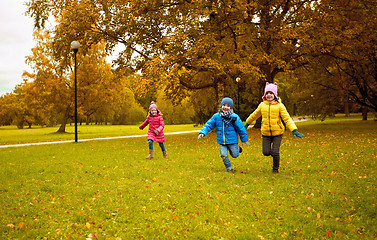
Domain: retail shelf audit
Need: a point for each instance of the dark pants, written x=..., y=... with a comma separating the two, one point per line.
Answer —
x=271, y=147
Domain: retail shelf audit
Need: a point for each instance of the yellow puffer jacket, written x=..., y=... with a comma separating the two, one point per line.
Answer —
x=272, y=113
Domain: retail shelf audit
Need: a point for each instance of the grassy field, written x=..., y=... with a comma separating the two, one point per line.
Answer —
x=12, y=135
x=108, y=190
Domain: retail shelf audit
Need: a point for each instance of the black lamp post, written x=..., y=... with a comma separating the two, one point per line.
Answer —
x=238, y=95
x=75, y=47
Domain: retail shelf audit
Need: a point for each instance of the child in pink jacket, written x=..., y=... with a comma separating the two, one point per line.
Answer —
x=155, y=131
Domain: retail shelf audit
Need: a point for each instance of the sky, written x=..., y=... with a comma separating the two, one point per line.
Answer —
x=16, y=41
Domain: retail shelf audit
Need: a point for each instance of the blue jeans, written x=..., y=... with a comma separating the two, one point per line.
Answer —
x=234, y=151
x=150, y=144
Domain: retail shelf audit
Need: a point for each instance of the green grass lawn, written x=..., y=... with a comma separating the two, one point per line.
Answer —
x=326, y=188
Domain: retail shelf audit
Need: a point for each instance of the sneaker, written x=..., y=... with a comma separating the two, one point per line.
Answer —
x=240, y=149
x=229, y=170
x=275, y=171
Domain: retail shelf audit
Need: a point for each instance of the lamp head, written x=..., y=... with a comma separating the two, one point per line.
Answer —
x=75, y=46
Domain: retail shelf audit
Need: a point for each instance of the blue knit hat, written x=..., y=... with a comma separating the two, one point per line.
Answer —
x=228, y=101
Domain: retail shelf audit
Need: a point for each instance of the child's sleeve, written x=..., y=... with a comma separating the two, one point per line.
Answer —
x=144, y=124
x=162, y=125
x=241, y=130
x=255, y=115
x=287, y=118
x=209, y=126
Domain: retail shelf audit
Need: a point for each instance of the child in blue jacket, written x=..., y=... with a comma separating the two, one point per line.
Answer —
x=228, y=126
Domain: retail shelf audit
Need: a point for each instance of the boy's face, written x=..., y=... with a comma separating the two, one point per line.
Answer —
x=225, y=107
x=270, y=96
x=153, y=111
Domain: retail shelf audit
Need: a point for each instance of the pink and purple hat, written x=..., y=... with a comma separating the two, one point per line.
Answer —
x=153, y=105
x=271, y=87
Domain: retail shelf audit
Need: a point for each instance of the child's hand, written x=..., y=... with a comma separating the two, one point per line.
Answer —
x=247, y=143
x=297, y=134
x=156, y=132
x=246, y=125
x=200, y=135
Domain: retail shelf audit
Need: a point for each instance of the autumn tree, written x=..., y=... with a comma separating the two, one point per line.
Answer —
x=15, y=108
x=346, y=32
x=52, y=87
x=304, y=92
x=182, y=113
x=4, y=116
x=98, y=87
x=191, y=45
x=341, y=73
x=127, y=109
x=52, y=82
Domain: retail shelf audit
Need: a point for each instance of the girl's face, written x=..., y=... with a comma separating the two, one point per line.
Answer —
x=153, y=111
x=225, y=107
x=270, y=96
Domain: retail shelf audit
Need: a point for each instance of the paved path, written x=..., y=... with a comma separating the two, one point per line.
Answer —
x=92, y=139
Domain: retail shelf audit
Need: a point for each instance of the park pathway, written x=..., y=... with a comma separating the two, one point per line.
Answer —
x=91, y=139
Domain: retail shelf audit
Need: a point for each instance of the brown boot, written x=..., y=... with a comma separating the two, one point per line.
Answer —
x=150, y=156
x=165, y=154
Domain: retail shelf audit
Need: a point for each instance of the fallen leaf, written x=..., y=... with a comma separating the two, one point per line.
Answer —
x=10, y=225
x=92, y=236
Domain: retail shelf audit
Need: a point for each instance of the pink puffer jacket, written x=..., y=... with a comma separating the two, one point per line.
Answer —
x=155, y=122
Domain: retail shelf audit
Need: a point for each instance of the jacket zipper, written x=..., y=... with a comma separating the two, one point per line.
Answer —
x=224, y=133
x=269, y=117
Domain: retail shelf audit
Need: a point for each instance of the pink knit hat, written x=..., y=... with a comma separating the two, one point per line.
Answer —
x=153, y=105
x=271, y=88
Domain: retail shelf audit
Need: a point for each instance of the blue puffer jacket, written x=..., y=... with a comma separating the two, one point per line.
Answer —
x=226, y=134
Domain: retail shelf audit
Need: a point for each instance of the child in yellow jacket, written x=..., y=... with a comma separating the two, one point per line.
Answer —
x=272, y=112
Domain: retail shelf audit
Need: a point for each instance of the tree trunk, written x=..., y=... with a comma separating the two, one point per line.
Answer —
x=62, y=128
x=365, y=113
x=20, y=125
x=364, y=110
x=219, y=90
x=294, y=109
x=64, y=123
x=258, y=123
x=347, y=106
